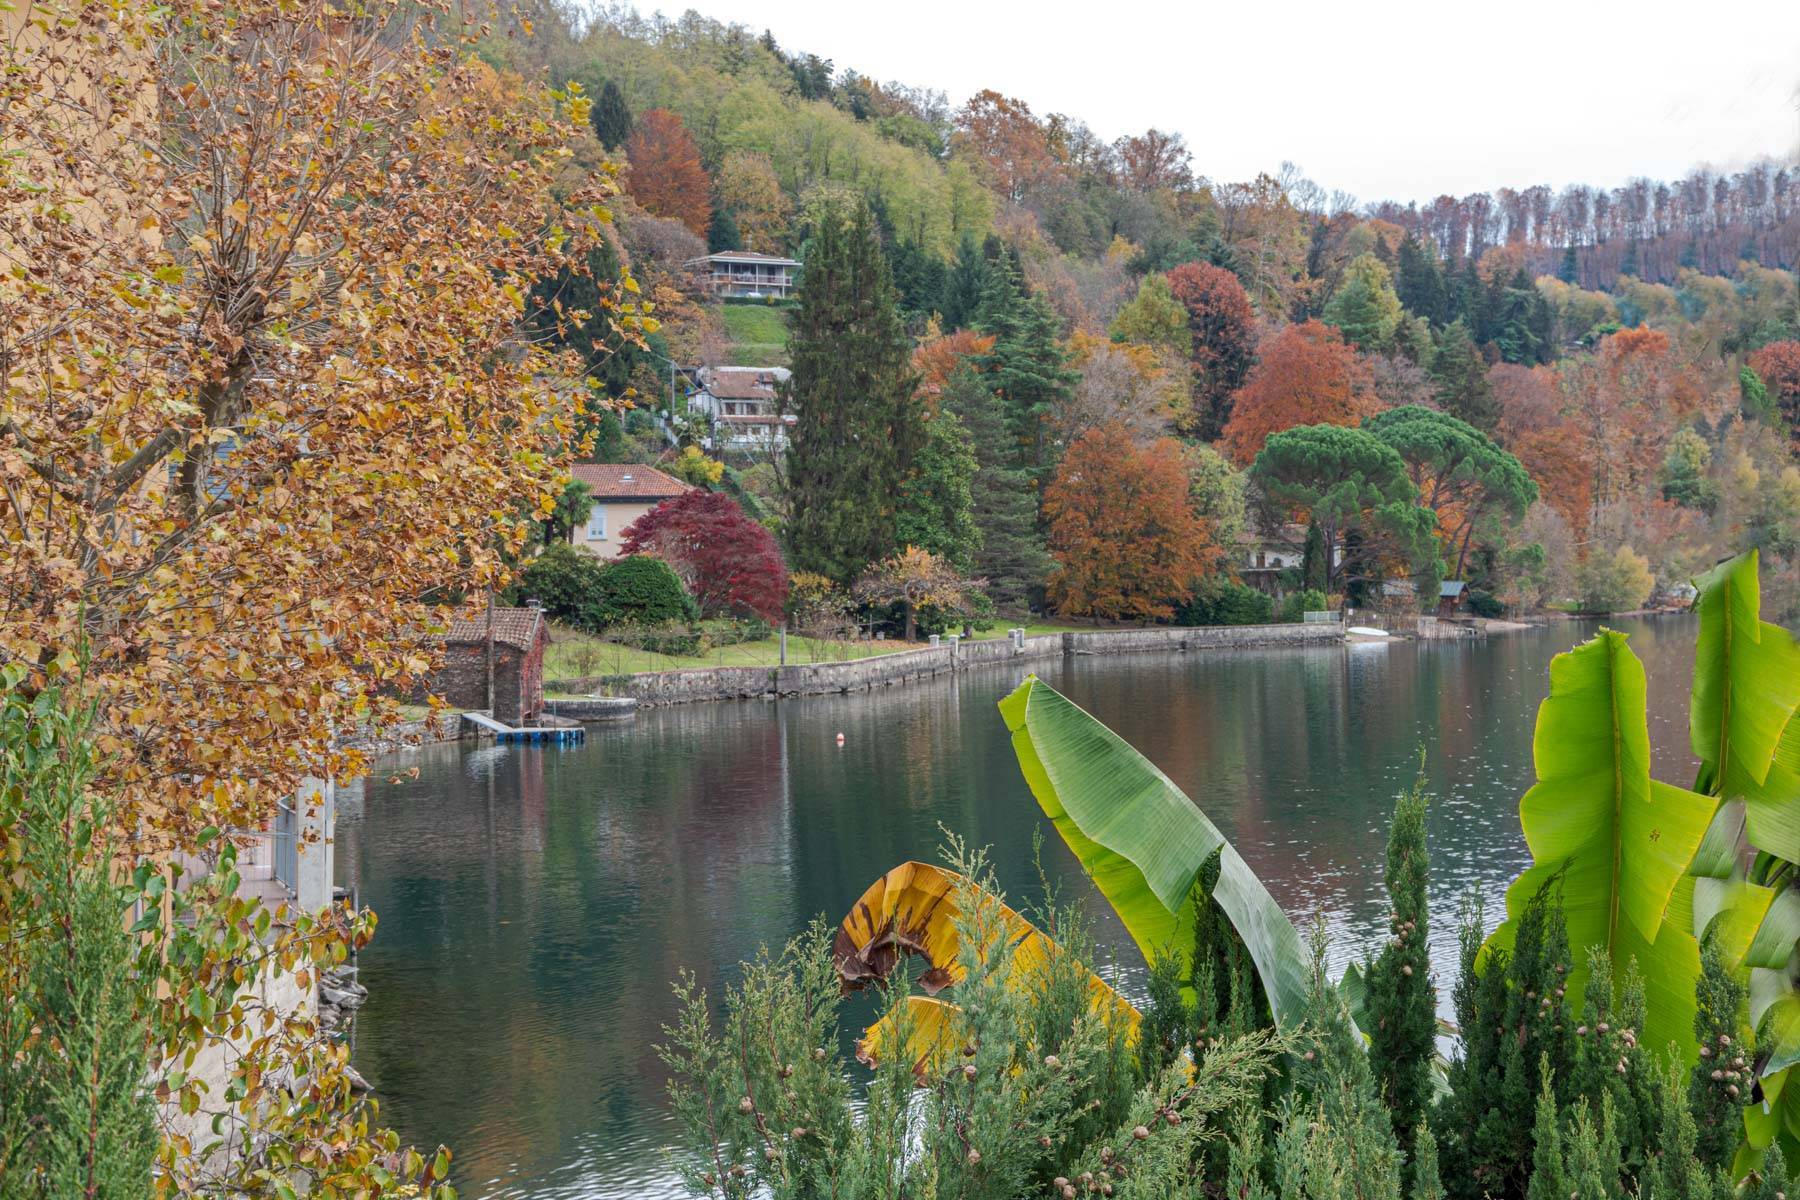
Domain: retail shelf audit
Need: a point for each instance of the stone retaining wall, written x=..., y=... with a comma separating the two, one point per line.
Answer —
x=886, y=670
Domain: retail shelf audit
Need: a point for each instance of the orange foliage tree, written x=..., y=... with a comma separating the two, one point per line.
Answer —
x=1625, y=402
x=1535, y=427
x=936, y=359
x=1013, y=149
x=1127, y=543
x=1222, y=326
x=665, y=175
x=1307, y=375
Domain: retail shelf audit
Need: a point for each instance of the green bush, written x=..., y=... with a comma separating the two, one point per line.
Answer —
x=1226, y=602
x=1484, y=604
x=1294, y=608
x=643, y=590
x=567, y=582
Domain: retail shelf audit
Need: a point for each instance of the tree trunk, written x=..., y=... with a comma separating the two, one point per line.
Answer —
x=906, y=606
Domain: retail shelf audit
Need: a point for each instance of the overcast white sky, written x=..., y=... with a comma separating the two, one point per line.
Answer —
x=1400, y=100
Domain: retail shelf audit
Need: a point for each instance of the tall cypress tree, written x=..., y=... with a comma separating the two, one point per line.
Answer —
x=1026, y=368
x=1419, y=282
x=610, y=117
x=1720, y=1084
x=853, y=393
x=1011, y=554
x=1402, y=1001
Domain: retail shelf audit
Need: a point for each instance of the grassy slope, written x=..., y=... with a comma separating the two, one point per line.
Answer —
x=758, y=335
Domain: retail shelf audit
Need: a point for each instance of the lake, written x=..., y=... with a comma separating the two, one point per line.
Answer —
x=535, y=903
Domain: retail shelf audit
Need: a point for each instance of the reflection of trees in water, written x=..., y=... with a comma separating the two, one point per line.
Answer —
x=536, y=903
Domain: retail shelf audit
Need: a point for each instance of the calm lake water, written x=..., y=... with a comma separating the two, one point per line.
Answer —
x=535, y=903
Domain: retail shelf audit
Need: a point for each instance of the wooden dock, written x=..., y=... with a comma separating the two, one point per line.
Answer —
x=490, y=728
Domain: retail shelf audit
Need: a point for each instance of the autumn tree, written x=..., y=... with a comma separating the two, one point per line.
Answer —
x=1627, y=400
x=1000, y=134
x=1127, y=543
x=1154, y=317
x=1306, y=375
x=1355, y=490
x=1365, y=307
x=729, y=564
x=664, y=172
x=751, y=193
x=917, y=579
x=858, y=417
x=264, y=386
x=1221, y=345
x=1777, y=365
x=936, y=359
x=1120, y=382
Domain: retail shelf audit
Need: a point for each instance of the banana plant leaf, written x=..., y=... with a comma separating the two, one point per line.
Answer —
x=1746, y=688
x=911, y=912
x=1143, y=842
x=1616, y=842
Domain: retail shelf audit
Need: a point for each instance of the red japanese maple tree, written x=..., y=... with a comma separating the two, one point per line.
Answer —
x=729, y=563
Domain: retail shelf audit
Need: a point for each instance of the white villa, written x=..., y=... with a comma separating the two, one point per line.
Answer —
x=743, y=407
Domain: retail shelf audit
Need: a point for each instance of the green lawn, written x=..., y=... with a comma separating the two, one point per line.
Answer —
x=758, y=334
x=576, y=655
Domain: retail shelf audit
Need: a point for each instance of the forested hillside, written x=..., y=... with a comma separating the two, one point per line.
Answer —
x=1623, y=360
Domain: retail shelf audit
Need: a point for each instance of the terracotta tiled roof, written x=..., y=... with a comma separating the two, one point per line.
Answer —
x=758, y=383
x=512, y=627
x=627, y=481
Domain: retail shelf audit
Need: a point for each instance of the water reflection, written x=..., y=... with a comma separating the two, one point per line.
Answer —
x=536, y=902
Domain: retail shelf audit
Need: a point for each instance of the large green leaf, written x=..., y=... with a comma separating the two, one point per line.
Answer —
x=1746, y=687
x=1143, y=841
x=1616, y=842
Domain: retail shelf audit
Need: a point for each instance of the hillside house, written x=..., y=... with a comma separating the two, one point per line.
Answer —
x=745, y=273
x=620, y=494
x=520, y=637
x=743, y=407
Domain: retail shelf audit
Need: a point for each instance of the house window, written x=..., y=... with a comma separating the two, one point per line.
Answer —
x=596, y=527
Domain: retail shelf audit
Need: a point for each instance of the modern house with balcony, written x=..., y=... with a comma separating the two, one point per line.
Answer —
x=747, y=274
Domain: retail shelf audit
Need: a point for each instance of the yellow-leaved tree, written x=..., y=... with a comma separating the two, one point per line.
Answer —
x=263, y=388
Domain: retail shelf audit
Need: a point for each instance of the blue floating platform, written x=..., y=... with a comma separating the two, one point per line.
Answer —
x=530, y=733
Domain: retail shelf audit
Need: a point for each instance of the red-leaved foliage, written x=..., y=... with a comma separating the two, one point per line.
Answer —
x=730, y=564
x=1307, y=375
x=1126, y=540
x=1224, y=339
x=665, y=175
x=1778, y=363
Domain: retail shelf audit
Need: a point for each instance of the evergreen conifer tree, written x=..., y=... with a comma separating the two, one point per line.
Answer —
x=1345, y=1145
x=858, y=419
x=1591, y=1167
x=937, y=507
x=1461, y=378
x=1771, y=1178
x=1720, y=1084
x=1427, y=1183
x=1026, y=368
x=1314, y=570
x=1011, y=554
x=1547, y=1179
x=964, y=284
x=1570, y=270
x=1402, y=1002
x=1418, y=281
x=610, y=117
